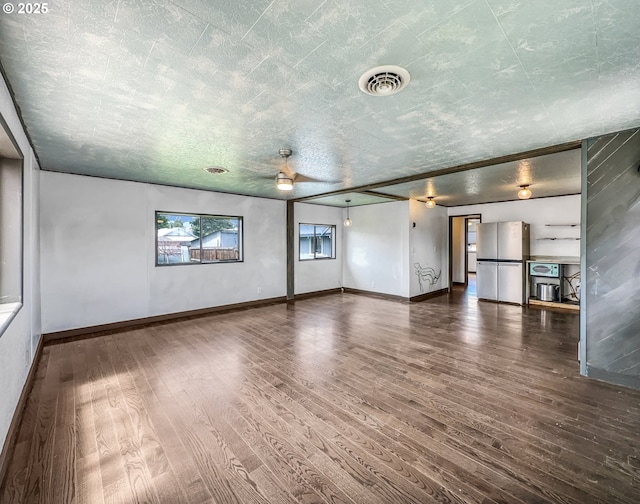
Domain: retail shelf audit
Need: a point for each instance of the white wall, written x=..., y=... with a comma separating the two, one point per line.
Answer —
x=312, y=276
x=537, y=212
x=20, y=339
x=98, y=264
x=429, y=248
x=377, y=249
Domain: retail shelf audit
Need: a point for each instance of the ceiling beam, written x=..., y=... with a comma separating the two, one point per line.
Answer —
x=543, y=151
x=384, y=195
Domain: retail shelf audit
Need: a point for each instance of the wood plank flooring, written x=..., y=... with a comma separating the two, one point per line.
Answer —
x=337, y=399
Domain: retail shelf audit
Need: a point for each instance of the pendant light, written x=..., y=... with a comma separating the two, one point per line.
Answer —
x=347, y=221
x=524, y=192
x=283, y=181
x=430, y=202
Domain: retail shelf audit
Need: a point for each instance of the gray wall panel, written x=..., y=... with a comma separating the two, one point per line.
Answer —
x=612, y=283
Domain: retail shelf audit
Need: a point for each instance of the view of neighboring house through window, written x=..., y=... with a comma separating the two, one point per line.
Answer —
x=195, y=239
x=317, y=241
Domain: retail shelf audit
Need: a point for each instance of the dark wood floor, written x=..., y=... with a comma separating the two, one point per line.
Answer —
x=340, y=399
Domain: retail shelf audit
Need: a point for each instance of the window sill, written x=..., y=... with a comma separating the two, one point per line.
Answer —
x=7, y=312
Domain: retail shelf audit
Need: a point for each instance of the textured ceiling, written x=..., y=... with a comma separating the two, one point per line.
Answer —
x=157, y=91
x=355, y=199
x=550, y=175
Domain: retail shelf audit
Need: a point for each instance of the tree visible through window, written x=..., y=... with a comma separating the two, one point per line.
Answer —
x=317, y=241
x=195, y=239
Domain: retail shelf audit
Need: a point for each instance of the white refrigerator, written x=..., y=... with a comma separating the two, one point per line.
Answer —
x=502, y=249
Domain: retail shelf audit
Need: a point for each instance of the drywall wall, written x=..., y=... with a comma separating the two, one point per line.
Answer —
x=99, y=265
x=20, y=339
x=428, y=242
x=376, y=249
x=263, y=268
x=538, y=213
x=318, y=275
x=611, y=291
x=95, y=255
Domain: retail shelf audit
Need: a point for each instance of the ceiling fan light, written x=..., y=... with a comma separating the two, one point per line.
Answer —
x=524, y=192
x=284, y=182
x=430, y=202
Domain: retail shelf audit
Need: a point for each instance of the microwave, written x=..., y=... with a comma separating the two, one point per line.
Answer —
x=549, y=270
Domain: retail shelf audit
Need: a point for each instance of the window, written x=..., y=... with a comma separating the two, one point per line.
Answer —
x=10, y=239
x=317, y=241
x=11, y=226
x=197, y=239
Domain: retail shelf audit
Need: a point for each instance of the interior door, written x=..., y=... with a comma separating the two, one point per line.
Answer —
x=487, y=280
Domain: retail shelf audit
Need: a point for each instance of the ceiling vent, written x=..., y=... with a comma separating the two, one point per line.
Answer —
x=216, y=170
x=384, y=80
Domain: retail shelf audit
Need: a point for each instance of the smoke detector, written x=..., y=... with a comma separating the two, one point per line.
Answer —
x=384, y=80
x=215, y=170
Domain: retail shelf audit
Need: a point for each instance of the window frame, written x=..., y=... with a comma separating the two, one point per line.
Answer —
x=9, y=310
x=312, y=246
x=200, y=216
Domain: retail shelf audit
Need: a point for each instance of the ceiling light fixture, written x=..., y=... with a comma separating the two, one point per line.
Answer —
x=430, y=202
x=347, y=221
x=524, y=192
x=283, y=181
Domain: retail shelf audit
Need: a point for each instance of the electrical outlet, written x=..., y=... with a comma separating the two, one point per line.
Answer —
x=373, y=283
x=259, y=290
x=27, y=357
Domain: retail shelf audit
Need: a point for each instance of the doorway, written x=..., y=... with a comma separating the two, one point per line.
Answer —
x=462, y=251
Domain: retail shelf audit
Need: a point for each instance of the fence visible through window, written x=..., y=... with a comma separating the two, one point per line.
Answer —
x=196, y=239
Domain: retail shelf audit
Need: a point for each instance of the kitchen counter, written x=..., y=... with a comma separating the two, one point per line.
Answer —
x=554, y=259
x=568, y=271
